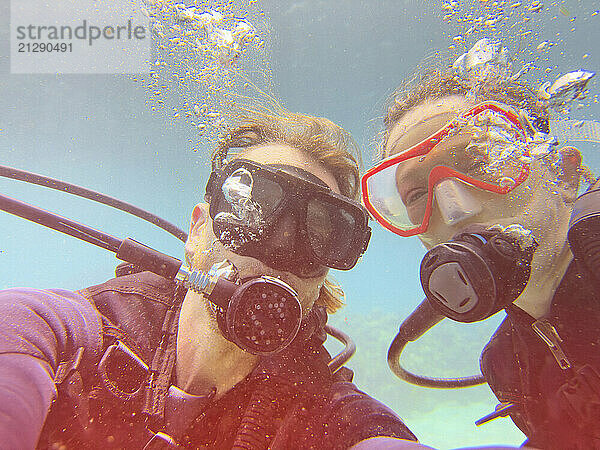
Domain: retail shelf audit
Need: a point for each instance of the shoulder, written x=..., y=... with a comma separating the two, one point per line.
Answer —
x=135, y=305
x=48, y=324
x=353, y=415
x=501, y=342
x=143, y=284
x=498, y=362
x=30, y=306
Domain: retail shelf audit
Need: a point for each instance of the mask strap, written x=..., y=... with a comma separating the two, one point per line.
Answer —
x=576, y=130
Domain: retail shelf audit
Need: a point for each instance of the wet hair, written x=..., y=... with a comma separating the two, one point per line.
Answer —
x=433, y=83
x=324, y=141
x=438, y=80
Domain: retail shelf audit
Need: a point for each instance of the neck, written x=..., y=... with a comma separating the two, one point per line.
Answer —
x=205, y=359
x=546, y=274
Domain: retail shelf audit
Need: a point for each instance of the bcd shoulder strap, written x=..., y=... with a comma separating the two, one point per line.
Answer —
x=137, y=385
x=163, y=361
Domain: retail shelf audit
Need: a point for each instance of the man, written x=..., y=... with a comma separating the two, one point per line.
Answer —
x=471, y=167
x=138, y=362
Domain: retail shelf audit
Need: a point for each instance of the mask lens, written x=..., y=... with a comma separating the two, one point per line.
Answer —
x=386, y=201
x=268, y=194
x=287, y=221
x=331, y=231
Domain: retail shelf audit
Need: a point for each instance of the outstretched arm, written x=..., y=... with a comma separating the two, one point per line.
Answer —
x=388, y=443
x=39, y=329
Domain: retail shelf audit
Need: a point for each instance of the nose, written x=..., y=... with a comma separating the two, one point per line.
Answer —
x=455, y=202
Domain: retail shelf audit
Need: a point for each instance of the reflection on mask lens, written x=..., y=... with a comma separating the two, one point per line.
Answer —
x=245, y=205
x=237, y=191
x=330, y=230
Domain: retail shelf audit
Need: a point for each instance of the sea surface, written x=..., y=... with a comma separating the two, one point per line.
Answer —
x=338, y=59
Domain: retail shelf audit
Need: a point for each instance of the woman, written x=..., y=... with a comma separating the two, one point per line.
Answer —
x=469, y=156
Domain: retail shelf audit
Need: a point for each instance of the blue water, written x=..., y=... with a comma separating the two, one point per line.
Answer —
x=335, y=59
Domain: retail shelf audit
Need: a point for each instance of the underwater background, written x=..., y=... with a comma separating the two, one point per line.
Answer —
x=338, y=59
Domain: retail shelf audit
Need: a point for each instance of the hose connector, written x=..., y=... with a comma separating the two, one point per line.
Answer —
x=205, y=282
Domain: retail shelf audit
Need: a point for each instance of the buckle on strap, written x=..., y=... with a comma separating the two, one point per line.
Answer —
x=123, y=373
x=66, y=368
x=161, y=441
x=502, y=410
x=550, y=336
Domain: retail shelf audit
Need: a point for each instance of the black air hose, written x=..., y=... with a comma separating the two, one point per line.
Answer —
x=287, y=376
x=256, y=429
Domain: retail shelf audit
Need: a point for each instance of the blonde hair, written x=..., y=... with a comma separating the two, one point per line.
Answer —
x=327, y=143
x=433, y=83
x=438, y=81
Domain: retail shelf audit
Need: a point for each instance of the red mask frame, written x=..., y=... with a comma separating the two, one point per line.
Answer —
x=439, y=173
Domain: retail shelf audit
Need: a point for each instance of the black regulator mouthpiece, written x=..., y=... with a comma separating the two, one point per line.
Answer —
x=261, y=315
x=478, y=273
x=584, y=231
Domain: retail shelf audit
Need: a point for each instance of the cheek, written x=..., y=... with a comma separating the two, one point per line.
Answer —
x=202, y=249
x=308, y=292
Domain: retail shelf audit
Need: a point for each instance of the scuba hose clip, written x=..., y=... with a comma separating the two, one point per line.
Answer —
x=502, y=410
x=205, y=282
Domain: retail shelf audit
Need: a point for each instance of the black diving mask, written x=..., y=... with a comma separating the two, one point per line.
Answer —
x=285, y=217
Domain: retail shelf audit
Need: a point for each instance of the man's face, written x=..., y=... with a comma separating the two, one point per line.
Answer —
x=204, y=249
x=537, y=204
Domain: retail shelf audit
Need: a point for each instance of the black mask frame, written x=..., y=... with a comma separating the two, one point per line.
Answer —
x=280, y=194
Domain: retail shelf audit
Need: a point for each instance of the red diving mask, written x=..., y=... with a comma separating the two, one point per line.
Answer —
x=485, y=147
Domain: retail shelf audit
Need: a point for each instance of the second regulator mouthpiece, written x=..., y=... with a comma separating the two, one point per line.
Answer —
x=478, y=273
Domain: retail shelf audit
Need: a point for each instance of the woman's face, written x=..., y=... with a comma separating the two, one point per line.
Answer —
x=204, y=249
x=536, y=204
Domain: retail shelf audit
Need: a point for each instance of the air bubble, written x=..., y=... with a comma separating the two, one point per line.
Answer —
x=210, y=53
x=506, y=182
